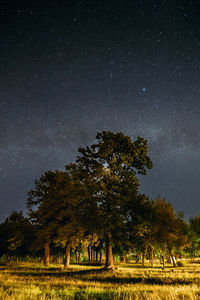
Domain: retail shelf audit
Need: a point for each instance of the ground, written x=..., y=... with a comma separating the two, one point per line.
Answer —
x=128, y=281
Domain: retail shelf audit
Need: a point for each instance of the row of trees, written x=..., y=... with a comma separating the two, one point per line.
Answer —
x=96, y=203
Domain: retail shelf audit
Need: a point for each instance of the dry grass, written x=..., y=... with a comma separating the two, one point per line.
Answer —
x=32, y=281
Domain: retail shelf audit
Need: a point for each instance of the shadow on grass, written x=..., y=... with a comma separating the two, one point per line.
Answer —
x=107, y=276
x=87, y=264
x=143, y=280
x=56, y=272
x=24, y=270
x=147, y=267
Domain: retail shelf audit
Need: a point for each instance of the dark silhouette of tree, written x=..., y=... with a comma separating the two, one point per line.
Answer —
x=16, y=235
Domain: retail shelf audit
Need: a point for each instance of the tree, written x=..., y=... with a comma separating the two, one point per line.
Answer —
x=194, y=236
x=16, y=235
x=53, y=206
x=109, y=171
x=68, y=228
x=195, y=225
x=171, y=229
x=142, y=227
x=43, y=207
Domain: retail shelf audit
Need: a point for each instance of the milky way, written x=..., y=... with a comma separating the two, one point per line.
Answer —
x=73, y=68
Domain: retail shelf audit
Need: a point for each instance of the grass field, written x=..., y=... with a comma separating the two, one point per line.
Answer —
x=128, y=281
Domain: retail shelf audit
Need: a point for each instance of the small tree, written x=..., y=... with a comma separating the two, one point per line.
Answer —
x=194, y=236
x=16, y=235
x=143, y=227
x=171, y=231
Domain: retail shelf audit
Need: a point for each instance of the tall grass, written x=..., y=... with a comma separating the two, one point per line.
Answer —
x=33, y=281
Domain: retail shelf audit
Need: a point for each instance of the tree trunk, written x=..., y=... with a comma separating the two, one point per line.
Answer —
x=93, y=255
x=109, y=255
x=46, y=254
x=96, y=256
x=172, y=257
x=89, y=254
x=173, y=261
x=163, y=257
x=100, y=257
x=6, y=258
x=163, y=261
x=152, y=257
x=143, y=257
x=67, y=256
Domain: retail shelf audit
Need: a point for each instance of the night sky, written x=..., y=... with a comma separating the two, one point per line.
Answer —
x=69, y=69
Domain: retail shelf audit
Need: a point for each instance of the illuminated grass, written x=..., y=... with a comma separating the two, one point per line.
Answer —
x=33, y=281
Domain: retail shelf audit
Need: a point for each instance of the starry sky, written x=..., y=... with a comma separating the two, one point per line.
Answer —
x=69, y=69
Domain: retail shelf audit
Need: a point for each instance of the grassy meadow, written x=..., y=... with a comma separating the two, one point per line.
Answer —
x=128, y=281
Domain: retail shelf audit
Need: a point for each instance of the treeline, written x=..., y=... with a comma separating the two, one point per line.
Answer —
x=95, y=204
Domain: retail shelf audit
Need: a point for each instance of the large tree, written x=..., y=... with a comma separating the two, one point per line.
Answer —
x=53, y=206
x=69, y=232
x=109, y=171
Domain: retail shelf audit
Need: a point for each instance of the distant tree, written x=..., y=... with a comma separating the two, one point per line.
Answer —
x=93, y=243
x=143, y=226
x=195, y=225
x=194, y=236
x=109, y=172
x=171, y=230
x=16, y=235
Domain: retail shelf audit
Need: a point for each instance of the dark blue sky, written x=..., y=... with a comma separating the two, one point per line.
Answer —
x=72, y=68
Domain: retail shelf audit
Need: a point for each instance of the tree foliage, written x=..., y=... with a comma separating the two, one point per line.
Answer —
x=16, y=235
